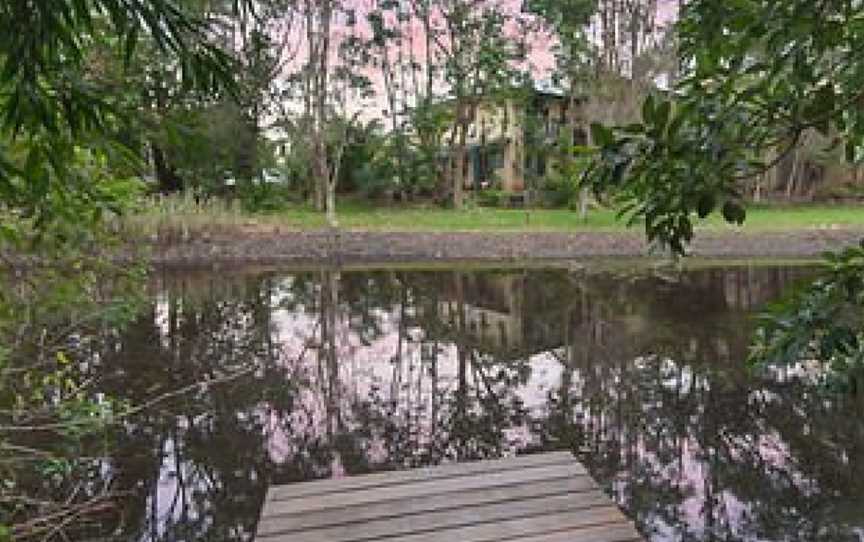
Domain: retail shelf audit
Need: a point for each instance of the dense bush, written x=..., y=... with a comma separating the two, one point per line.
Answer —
x=492, y=198
x=261, y=197
x=560, y=190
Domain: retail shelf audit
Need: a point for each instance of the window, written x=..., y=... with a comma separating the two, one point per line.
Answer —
x=496, y=157
x=579, y=137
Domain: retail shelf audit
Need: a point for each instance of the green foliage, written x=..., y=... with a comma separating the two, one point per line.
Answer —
x=561, y=185
x=560, y=190
x=424, y=144
x=49, y=411
x=756, y=75
x=257, y=196
x=374, y=164
x=822, y=322
x=369, y=163
x=55, y=102
x=69, y=153
x=66, y=214
x=491, y=198
x=374, y=179
x=650, y=171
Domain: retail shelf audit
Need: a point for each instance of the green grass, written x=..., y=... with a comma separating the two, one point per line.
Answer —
x=363, y=216
x=797, y=217
x=178, y=217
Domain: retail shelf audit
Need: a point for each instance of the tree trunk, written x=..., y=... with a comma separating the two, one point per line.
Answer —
x=167, y=177
x=573, y=123
x=757, y=190
x=459, y=174
x=463, y=120
x=320, y=172
x=793, y=174
x=330, y=205
x=583, y=192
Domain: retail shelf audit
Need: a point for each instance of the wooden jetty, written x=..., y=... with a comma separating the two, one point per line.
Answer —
x=535, y=498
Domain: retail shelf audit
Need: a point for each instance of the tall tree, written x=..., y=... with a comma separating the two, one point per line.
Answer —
x=195, y=137
x=480, y=48
x=605, y=58
x=51, y=107
x=328, y=81
x=754, y=79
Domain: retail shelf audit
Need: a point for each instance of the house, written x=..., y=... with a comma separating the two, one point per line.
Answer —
x=509, y=141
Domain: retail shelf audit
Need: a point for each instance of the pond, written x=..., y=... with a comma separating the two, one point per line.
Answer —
x=639, y=372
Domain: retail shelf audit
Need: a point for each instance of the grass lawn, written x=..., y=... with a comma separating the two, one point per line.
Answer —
x=362, y=215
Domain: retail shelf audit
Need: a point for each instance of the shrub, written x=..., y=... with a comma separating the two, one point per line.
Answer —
x=262, y=197
x=492, y=198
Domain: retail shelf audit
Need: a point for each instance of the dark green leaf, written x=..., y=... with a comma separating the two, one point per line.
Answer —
x=706, y=204
x=601, y=136
x=733, y=212
x=648, y=110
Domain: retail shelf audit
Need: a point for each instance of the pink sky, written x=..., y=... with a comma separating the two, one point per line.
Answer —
x=540, y=62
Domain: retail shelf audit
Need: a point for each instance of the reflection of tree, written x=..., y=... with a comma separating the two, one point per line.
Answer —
x=659, y=407
x=444, y=397
x=360, y=371
x=666, y=414
x=197, y=461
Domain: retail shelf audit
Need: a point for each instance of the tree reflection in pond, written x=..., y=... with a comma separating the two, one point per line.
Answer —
x=640, y=374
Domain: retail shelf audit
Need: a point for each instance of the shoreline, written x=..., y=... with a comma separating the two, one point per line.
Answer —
x=349, y=247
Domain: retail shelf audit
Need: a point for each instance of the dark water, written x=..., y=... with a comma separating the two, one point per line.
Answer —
x=640, y=373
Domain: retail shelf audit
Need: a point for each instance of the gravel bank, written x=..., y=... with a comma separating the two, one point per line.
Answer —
x=348, y=247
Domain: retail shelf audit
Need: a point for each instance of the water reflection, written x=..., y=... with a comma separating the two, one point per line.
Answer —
x=333, y=373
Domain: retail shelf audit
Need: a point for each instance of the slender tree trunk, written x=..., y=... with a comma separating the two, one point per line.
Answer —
x=322, y=93
x=427, y=31
x=583, y=192
x=793, y=173
x=573, y=125
x=461, y=164
x=167, y=177
x=317, y=15
x=332, y=221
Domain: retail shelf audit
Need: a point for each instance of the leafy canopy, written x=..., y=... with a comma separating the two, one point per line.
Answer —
x=754, y=76
x=52, y=103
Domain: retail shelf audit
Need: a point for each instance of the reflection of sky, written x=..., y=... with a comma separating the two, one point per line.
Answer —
x=540, y=62
x=372, y=368
x=382, y=368
x=369, y=369
x=388, y=369
x=171, y=501
x=364, y=370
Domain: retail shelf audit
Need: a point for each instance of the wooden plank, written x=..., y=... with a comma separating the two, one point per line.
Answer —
x=519, y=528
x=604, y=533
x=542, y=498
x=427, y=487
x=382, y=479
x=428, y=503
x=388, y=527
